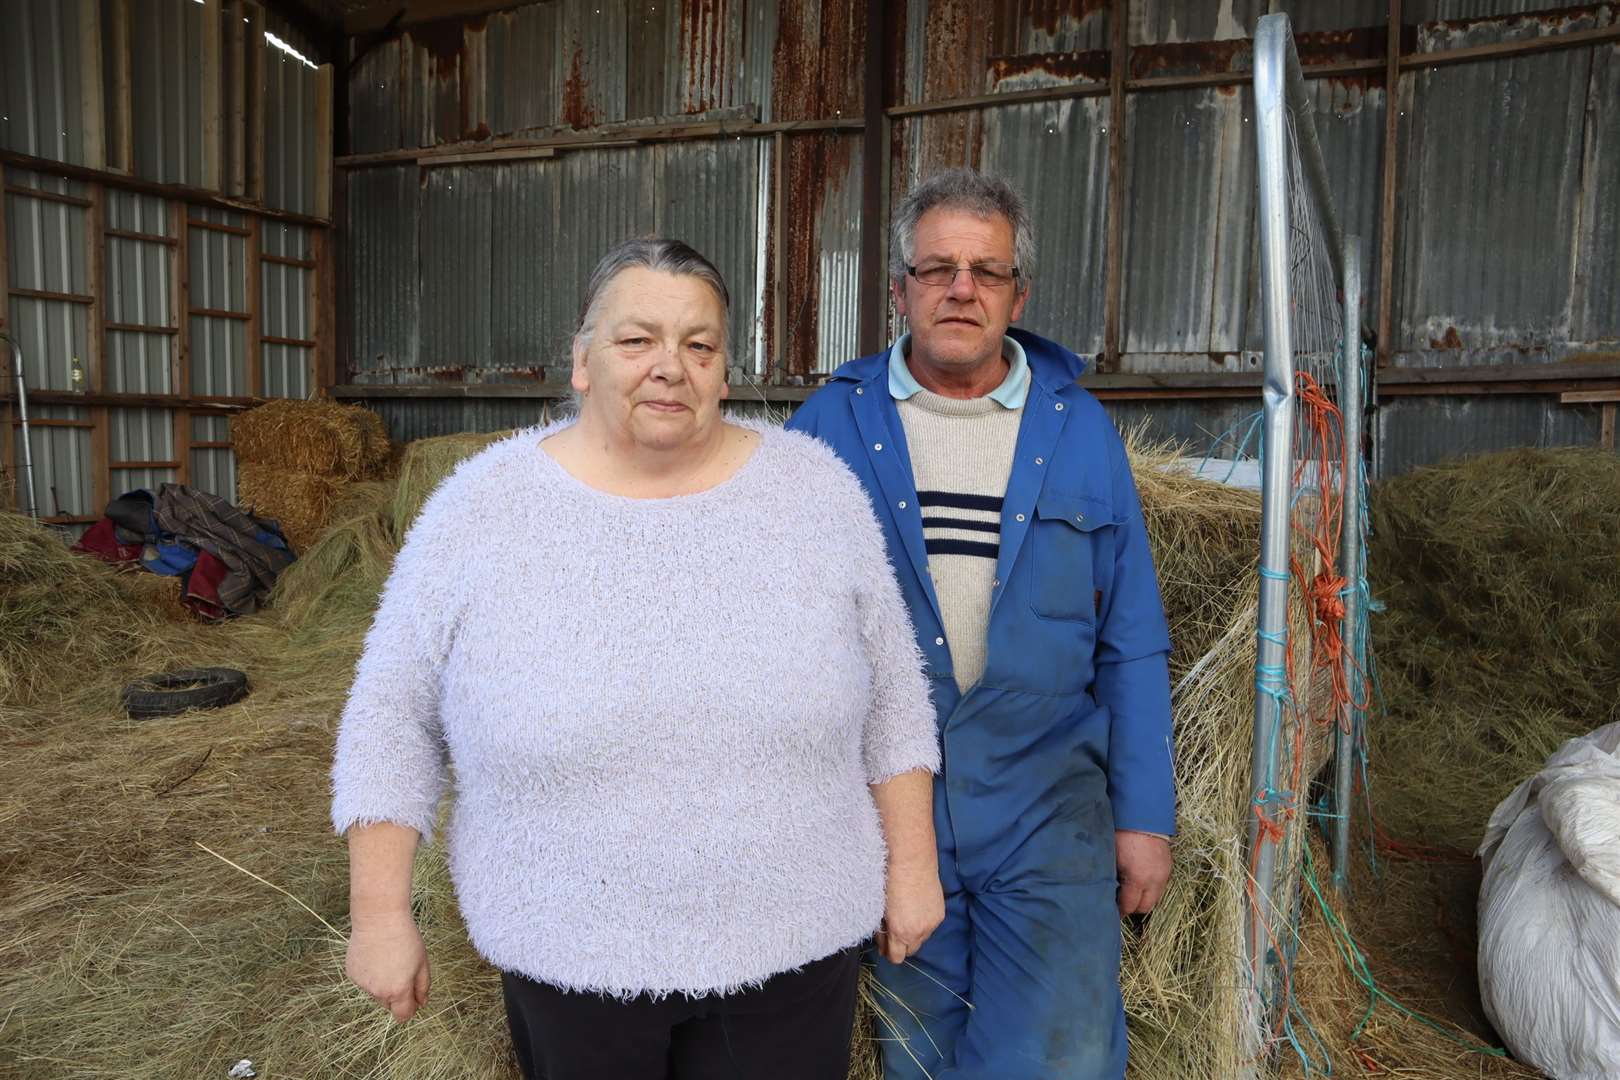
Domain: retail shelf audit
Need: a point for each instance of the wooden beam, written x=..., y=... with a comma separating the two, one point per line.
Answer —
x=1606, y=427
x=282, y=260
x=145, y=238
x=46, y=294
x=219, y=227
x=323, y=141
x=222, y=313
x=142, y=401
x=137, y=328
x=323, y=287
x=93, y=108
x=1386, y=223
x=180, y=299
x=236, y=45
x=47, y=196
x=254, y=293
x=96, y=361
x=195, y=196
x=604, y=137
x=1503, y=50
x=492, y=157
x=1118, y=59
x=297, y=343
x=255, y=103
x=143, y=464
x=1588, y=397
x=777, y=359
x=213, y=109
x=121, y=127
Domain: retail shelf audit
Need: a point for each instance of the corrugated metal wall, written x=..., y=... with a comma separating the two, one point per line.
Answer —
x=1506, y=250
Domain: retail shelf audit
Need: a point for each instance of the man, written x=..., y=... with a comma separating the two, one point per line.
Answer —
x=1015, y=529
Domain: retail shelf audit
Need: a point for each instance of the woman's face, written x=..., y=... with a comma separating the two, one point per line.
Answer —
x=654, y=369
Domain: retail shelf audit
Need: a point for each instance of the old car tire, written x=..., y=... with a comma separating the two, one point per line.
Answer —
x=172, y=692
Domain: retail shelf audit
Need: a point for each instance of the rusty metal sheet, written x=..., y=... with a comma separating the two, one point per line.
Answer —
x=1410, y=432
x=1597, y=268
x=384, y=313
x=374, y=100
x=457, y=234
x=1486, y=236
x=1169, y=21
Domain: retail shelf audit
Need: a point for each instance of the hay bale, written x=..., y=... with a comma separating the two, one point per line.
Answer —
x=325, y=438
x=300, y=502
x=424, y=466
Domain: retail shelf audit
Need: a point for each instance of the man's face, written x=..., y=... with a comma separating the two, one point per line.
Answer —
x=957, y=329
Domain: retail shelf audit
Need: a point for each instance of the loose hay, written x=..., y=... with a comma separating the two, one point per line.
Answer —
x=128, y=951
x=343, y=442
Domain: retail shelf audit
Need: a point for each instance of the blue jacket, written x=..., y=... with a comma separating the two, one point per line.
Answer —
x=1075, y=691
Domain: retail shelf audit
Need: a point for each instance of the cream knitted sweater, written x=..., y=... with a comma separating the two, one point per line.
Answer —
x=662, y=716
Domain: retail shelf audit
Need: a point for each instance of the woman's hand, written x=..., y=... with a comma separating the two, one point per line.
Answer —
x=388, y=961
x=914, y=907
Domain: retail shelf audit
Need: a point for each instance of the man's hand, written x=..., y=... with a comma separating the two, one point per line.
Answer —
x=915, y=906
x=1144, y=870
x=388, y=961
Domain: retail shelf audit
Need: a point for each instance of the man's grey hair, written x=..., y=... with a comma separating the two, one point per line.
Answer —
x=983, y=195
x=651, y=253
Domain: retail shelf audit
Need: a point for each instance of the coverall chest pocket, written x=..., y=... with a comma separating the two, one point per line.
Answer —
x=1068, y=533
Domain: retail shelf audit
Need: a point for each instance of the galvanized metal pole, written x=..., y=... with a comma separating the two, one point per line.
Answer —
x=1271, y=688
x=22, y=412
x=1351, y=398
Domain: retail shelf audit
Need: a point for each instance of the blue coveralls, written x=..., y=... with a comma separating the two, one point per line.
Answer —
x=1064, y=738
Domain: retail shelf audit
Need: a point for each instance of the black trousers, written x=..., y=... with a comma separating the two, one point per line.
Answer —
x=796, y=1026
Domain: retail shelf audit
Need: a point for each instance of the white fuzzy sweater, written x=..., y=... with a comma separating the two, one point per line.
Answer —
x=662, y=715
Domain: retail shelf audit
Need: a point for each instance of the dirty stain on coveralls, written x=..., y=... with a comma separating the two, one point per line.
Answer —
x=1065, y=737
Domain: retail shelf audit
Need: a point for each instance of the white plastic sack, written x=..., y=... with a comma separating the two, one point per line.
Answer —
x=1549, y=913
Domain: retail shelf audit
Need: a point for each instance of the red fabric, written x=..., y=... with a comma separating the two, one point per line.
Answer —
x=200, y=589
x=101, y=540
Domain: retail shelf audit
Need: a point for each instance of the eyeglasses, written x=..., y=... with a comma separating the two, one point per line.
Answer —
x=990, y=275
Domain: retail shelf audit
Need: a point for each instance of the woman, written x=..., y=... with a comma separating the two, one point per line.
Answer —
x=692, y=742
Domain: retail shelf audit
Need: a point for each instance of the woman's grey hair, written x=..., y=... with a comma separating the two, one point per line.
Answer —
x=652, y=253
x=983, y=195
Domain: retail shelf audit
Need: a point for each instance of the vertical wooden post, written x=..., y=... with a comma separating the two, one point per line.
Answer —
x=1119, y=57
x=96, y=362
x=1386, y=230
x=323, y=292
x=255, y=307
x=236, y=96
x=323, y=142
x=180, y=312
x=94, y=105
x=1606, y=430
x=874, y=303
x=121, y=125
x=778, y=362
x=255, y=103
x=212, y=111
x=8, y=452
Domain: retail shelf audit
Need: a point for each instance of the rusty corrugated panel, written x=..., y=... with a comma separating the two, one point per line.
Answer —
x=384, y=314
x=594, y=40
x=1188, y=223
x=1488, y=235
x=433, y=67
x=1414, y=431
x=374, y=100
x=1057, y=154
x=1312, y=15
x=1597, y=272
x=523, y=68
x=1169, y=21
x=409, y=419
x=1422, y=11
x=41, y=96
x=839, y=273
x=457, y=233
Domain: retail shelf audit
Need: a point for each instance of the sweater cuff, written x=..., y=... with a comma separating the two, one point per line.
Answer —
x=887, y=762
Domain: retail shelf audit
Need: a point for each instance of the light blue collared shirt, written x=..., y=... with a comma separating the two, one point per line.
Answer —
x=1009, y=395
